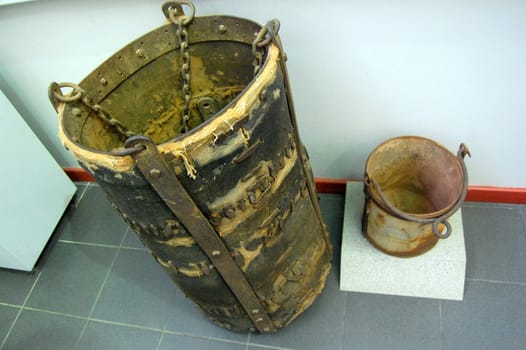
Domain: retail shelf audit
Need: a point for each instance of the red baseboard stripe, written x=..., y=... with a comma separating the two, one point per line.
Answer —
x=327, y=185
x=496, y=194
x=79, y=174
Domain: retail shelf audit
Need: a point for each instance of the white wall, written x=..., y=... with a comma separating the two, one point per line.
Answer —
x=361, y=71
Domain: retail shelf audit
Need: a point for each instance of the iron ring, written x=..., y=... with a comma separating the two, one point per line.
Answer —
x=57, y=92
x=436, y=231
x=174, y=9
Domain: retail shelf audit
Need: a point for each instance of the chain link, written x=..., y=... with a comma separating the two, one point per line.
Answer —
x=174, y=12
x=264, y=37
x=258, y=48
x=182, y=37
x=79, y=94
x=105, y=117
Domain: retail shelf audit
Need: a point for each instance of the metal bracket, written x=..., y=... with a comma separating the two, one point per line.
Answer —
x=207, y=107
x=171, y=191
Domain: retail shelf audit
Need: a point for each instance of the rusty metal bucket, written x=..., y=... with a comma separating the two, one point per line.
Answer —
x=412, y=185
x=190, y=130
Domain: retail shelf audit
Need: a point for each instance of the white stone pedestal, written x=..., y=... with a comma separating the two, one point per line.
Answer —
x=439, y=273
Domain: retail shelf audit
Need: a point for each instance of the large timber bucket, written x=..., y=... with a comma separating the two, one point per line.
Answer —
x=412, y=185
x=191, y=132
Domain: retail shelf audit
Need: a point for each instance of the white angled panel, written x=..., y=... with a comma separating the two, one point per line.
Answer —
x=34, y=192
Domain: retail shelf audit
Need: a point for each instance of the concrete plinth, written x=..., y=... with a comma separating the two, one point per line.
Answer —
x=439, y=273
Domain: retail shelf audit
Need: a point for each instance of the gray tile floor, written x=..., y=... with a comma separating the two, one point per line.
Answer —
x=96, y=287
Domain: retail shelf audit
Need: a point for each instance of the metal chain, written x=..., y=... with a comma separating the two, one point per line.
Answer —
x=105, y=117
x=258, y=48
x=177, y=16
x=182, y=36
x=264, y=37
x=79, y=94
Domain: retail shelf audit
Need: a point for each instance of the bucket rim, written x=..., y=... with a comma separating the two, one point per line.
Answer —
x=235, y=110
x=381, y=200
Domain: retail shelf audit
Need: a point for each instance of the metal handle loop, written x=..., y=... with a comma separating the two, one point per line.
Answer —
x=273, y=27
x=437, y=232
x=129, y=150
x=266, y=35
x=55, y=93
x=173, y=10
x=137, y=141
x=262, y=39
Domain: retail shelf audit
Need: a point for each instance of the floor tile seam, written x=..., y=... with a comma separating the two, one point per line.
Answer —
x=51, y=312
x=129, y=325
x=126, y=233
x=90, y=244
x=344, y=318
x=161, y=338
x=122, y=324
x=110, y=268
x=10, y=305
x=270, y=347
x=197, y=336
x=4, y=341
x=77, y=202
x=160, y=342
x=100, y=245
x=440, y=325
x=32, y=288
x=248, y=340
x=496, y=281
x=132, y=248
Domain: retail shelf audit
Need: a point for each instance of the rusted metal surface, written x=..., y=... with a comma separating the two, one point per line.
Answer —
x=412, y=186
x=239, y=159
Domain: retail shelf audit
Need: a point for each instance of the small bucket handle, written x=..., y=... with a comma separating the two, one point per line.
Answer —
x=461, y=154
